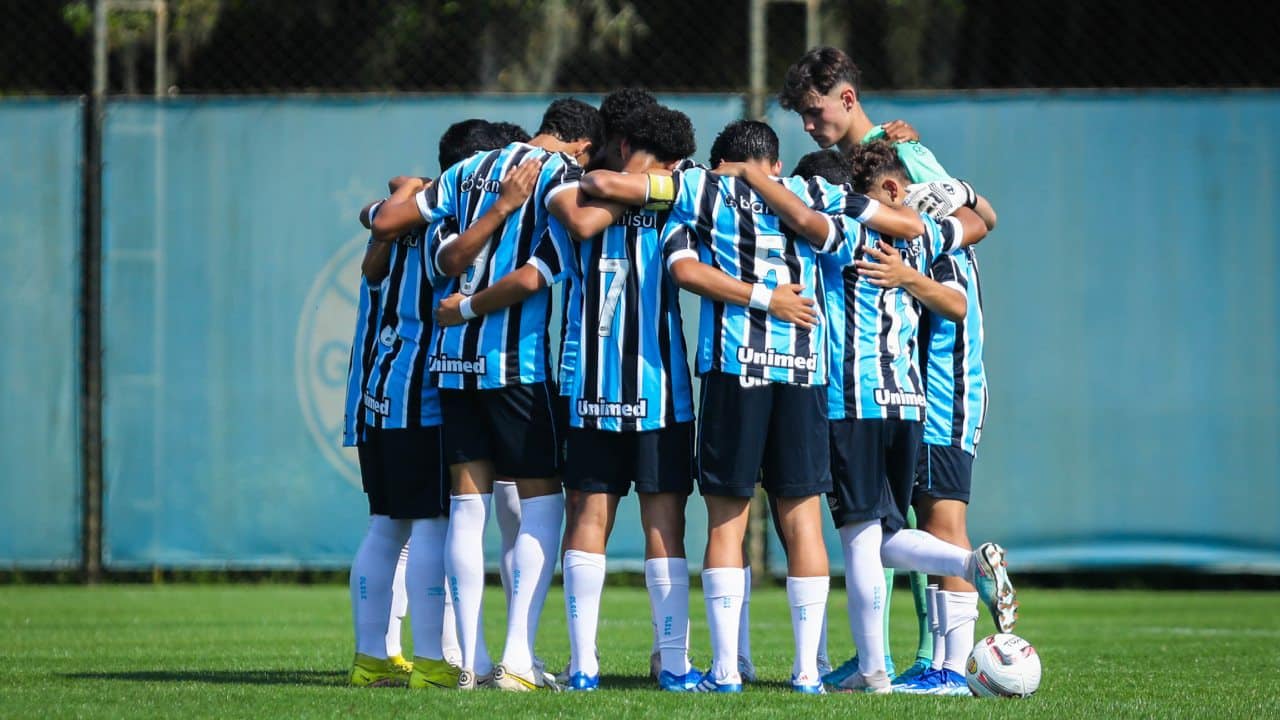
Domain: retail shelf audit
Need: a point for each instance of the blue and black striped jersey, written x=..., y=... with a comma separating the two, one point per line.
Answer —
x=722, y=222
x=508, y=347
x=873, y=331
x=571, y=310
x=631, y=371
x=364, y=348
x=955, y=379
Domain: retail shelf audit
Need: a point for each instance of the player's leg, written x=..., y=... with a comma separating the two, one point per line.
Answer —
x=824, y=662
x=664, y=485
x=468, y=451
x=399, y=607
x=372, y=571
x=527, y=449
x=746, y=668
x=924, y=636
x=506, y=511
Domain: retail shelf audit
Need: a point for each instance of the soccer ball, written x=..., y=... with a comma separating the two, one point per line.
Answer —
x=1003, y=665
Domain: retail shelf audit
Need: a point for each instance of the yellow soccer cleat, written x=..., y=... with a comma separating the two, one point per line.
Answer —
x=369, y=671
x=402, y=666
x=506, y=679
x=429, y=673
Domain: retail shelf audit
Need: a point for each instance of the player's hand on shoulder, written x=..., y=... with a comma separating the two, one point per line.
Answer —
x=731, y=169
x=888, y=270
x=940, y=198
x=396, y=182
x=519, y=182
x=449, y=312
x=788, y=304
x=900, y=131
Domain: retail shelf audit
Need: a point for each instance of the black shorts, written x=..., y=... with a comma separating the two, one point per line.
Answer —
x=746, y=426
x=404, y=473
x=560, y=406
x=944, y=472
x=656, y=461
x=873, y=466
x=515, y=427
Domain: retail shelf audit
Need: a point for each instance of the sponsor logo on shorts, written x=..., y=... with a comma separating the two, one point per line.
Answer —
x=378, y=406
x=459, y=366
x=604, y=408
x=769, y=358
x=895, y=398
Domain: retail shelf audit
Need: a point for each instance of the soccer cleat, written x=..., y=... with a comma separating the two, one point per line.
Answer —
x=746, y=669
x=935, y=682
x=877, y=683
x=504, y=678
x=850, y=667
x=807, y=685
x=991, y=578
x=583, y=682
x=918, y=668
x=709, y=685
x=430, y=673
x=369, y=671
x=687, y=682
x=400, y=663
x=468, y=680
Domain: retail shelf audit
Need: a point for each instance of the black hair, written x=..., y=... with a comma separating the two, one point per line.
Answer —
x=819, y=70
x=618, y=104
x=658, y=129
x=462, y=139
x=829, y=165
x=506, y=133
x=570, y=119
x=743, y=140
x=874, y=160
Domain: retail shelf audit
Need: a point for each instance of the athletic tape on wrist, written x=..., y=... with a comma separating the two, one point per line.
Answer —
x=761, y=296
x=465, y=308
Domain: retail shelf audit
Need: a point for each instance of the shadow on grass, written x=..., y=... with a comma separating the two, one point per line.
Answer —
x=222, y=677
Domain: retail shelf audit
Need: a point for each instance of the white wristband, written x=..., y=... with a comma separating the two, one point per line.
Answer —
x=464, y=307
x=760, y=296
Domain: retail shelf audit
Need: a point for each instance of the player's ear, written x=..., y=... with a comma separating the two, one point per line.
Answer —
x=777, y=168
x=891, y=188
x=848, y=98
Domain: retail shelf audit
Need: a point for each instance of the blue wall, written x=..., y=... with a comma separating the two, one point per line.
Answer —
x=39, y=324
x=1129, y=291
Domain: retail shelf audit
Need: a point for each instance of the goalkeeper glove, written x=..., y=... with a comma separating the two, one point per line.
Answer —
x=940, y=198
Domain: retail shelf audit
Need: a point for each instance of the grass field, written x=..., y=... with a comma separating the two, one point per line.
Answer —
x=283, y=651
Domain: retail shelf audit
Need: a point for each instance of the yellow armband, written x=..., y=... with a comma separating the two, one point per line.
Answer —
x=661, y=193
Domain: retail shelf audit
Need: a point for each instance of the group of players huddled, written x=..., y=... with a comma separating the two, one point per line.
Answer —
x=839, y=351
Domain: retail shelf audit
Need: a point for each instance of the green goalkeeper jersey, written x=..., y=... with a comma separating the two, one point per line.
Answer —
x=922, y=166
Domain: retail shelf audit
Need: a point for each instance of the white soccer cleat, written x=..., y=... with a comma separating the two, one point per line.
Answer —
x=505, y=678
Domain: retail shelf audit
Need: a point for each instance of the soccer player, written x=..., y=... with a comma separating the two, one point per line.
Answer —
x=874, y=406
x=823, y=87
x=493, y=372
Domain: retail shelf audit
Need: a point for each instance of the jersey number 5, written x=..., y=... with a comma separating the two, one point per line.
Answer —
x=769, y=259
x=613, y=276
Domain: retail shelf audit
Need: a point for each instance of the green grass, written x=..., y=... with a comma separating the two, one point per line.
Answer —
x=283, y=651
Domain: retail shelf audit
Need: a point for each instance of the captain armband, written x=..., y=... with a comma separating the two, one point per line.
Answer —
x=661, y=192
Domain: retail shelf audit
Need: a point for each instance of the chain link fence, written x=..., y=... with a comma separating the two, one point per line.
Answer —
x=431, y=46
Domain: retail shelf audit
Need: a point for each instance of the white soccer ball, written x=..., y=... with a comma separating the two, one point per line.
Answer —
x=1003, y=665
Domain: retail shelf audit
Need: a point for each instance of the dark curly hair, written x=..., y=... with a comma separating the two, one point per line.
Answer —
x=570, y=119
x=821, y=69
x=506, y=133
x=829, y=165
x=744, y=140
x=874, y=160
x=464, y=138
x=618, y=104
x=658, y=129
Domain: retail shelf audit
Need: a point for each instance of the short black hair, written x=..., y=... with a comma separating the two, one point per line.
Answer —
x=570, y=119
x=819, y=70
x=462, y=139
x=618, y=104
x=872, y=161
x=658, y=129
x=743, y=140
x=829, y=165
x=506, y=133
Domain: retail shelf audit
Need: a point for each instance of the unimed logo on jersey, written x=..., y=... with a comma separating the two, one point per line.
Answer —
x=322, y=353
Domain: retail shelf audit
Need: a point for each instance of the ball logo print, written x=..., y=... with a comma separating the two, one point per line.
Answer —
x=1003, y=665
x=322, y=353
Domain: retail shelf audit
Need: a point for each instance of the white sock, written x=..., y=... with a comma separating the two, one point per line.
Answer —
x=961, y=616
x=506, y=510
x=425, y=581
x=536, y=550
x=936, y=626
x=808, y=599
x=399, y=604
x=449, y=646
x=722, y=592
x=744, y=620
x=917, y=550
x=823, y=657
x=583, y=585
x=667, y=580
x=372, y=571
x=864, y=582
x=464, y=566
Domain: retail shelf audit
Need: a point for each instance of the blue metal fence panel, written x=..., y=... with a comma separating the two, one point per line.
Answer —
x=230, y=271
x=40, y=151
x=1131, y=321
